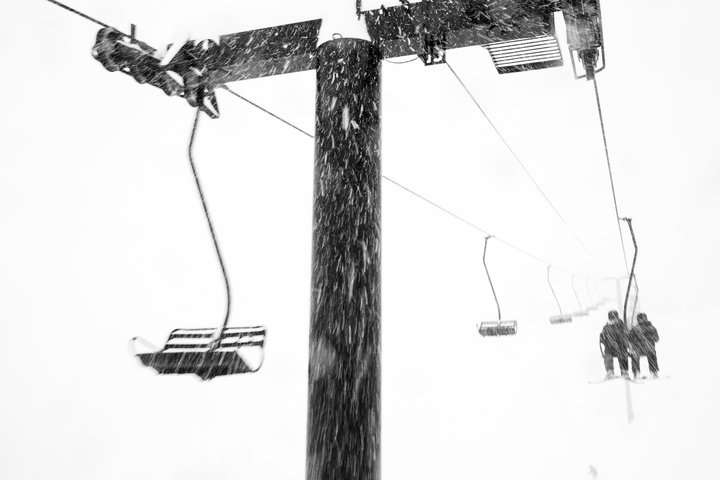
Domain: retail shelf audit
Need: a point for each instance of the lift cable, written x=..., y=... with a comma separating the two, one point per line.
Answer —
x=439, y=207
x=233, y=92
x=221, y=263
x=520, y=162
x=411, y=191
x=610, y=172
x=81, y=14
x=463, y=220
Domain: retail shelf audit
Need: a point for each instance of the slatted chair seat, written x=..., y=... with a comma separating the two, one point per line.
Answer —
x=498, y=329
x=190, y=351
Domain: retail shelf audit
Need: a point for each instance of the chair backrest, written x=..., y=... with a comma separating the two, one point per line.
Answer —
x=198, y=339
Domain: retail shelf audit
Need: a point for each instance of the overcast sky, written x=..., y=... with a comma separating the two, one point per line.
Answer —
x=102, y=238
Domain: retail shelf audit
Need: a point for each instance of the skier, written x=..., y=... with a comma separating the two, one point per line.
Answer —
x=643, y=337
x=614, y=339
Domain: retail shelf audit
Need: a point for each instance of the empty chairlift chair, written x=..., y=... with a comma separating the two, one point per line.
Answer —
x=499, y=328
x=562, y=317
x=207, y=352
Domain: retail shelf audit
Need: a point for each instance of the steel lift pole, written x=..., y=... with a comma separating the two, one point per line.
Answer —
x=343, y=424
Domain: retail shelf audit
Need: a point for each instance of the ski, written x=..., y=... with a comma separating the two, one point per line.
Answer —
x=605, y=380
x=638, y=380
x=650, y=378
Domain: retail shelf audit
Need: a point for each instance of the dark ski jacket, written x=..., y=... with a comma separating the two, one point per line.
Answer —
x=643, y=337
x=615, y=338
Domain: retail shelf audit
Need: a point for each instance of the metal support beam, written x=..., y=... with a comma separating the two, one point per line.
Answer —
x=520, y=36
x=264, y=52
x=343, y=428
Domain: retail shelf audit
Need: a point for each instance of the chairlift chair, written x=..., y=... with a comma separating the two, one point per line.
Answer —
x=501, y=327
x=207, y=352
x=562, y=318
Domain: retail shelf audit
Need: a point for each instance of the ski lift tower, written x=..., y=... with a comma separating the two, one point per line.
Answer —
x=343, y=426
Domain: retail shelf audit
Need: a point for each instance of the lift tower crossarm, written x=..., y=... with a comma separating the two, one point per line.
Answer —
x=519, y=36
x=265, y=52
x=409, y=29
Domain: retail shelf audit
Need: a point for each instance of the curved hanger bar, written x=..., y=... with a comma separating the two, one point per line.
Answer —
x=216, y=340
x=487, y=272
x=632, y=269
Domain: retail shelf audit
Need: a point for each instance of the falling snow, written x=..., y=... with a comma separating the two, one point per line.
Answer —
x=525, y=398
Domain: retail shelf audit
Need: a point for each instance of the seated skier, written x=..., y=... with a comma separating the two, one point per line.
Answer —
x=614, y=339
x=643, y=337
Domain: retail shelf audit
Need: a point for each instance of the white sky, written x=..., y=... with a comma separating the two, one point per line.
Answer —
x=102, y=238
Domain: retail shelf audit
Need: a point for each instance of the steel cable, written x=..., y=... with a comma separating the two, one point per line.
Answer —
x=519, y=161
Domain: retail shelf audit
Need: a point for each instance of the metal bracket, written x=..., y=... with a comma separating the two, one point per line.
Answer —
x=434, y=48
x=588, y=60
x=185, y=76
x=583, y=20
